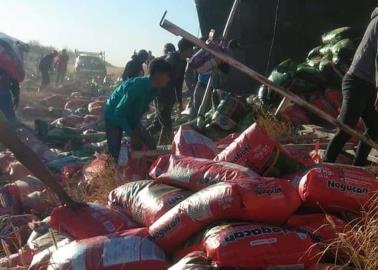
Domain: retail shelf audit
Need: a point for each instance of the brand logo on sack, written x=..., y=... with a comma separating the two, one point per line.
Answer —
x=163, y=231
x=346, y=188
x=268, y=190
x=245, y=150
x=255, y=232
x=172, y=201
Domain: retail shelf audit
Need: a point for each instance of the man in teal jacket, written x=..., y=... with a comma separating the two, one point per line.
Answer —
x=129, y=102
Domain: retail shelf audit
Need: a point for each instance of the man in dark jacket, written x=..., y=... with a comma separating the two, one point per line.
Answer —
x=45, y=67
x=360, y=96
x=61, y=68
x=134, y=68
x=173, y=93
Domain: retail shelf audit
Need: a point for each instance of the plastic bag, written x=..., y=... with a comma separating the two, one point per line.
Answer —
x=146, y=201
x=323, y=227
x=129, y=250
x=194, y=173
x=89, y=221
x=188, y=142
x=56, y=101
x=336, y=189
x=256, y=150
x=261, y=200
x=74, y=104
x=261, y=246
x=193, y=261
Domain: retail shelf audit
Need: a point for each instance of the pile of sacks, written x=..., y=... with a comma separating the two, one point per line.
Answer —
x=318, y=78
x=242, y=203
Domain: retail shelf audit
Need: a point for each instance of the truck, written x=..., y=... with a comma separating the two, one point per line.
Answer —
x=90, y=65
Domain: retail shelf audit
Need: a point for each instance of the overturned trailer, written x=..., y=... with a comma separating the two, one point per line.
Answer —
x=298, y=26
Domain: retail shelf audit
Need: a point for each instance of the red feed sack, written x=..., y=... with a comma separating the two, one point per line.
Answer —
x=334, y=97
x=93, y=107
x=6, y=158
x=75, y=103
x=301, y=155
x=194, y=173
x=223, y=143
x=296, y=115
x=15, y=230
x=321, y=103
x=188, y=142
x=268, y=201
x=193, y=261
x=217, y=202
x=335, y=188
x=95, y=167
x=10, y=199
x=253, y=149
x=41, y=259
x=57, y=101
x=323, y=227
x=254, y=246
x=129, y=250
x=17, y=171
x=328, y=267
x=89, y=221
x=22, y=258
x=146, y=201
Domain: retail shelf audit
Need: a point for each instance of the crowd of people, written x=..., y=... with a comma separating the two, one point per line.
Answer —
x=54, y=60
x=163, y=86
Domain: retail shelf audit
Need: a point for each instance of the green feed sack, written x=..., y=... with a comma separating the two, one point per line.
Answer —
x=58, y=164
x=215, y=133
x=334, y=36
x=284, y=165
x=343, y=51
x=246, y=121
x=314, y=53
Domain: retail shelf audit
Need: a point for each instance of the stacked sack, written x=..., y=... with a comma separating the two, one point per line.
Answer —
x=317, y=79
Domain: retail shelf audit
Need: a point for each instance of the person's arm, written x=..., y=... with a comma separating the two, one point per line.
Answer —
x=9, y=138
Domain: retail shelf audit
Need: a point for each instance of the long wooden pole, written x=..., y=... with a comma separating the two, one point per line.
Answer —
x=174, y=29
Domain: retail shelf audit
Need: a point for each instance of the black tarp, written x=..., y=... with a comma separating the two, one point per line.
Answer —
x=299, y=28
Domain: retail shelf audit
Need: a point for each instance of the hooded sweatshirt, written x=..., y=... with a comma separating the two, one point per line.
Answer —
x=365, y=61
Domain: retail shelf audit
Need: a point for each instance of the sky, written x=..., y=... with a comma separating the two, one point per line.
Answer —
x=117, y=27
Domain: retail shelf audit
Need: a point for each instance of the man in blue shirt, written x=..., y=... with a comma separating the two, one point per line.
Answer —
x=129, y=102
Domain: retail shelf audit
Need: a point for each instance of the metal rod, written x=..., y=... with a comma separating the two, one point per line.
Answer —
x=169, y=26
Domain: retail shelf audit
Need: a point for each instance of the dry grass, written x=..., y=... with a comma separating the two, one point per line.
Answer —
x=98, y=188
x=274, y=127
x=373, y=168
x=358, y=247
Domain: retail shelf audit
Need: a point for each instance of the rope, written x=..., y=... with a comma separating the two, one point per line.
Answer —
x=273, y=38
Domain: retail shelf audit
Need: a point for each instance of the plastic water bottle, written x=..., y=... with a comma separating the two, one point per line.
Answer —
x=123, y=155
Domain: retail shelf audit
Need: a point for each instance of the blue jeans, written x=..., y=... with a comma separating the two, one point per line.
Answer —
x=6, y=105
